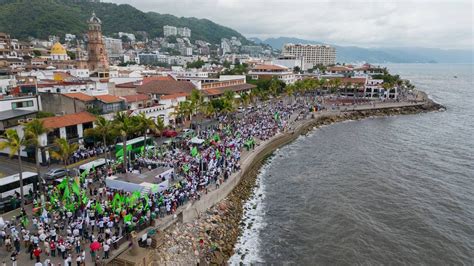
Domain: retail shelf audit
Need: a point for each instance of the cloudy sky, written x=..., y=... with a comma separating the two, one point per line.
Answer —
x=367, y=23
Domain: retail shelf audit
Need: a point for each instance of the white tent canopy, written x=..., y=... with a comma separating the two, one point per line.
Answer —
x=197, y=141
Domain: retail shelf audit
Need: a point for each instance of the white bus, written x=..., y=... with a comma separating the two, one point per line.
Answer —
x=11, y=184
x=94, y=164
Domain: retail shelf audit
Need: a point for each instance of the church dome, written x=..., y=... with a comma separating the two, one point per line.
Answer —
x=58, y=49
x=94, y=19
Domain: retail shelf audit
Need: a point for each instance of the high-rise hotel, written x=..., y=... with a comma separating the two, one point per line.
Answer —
x=312, y=54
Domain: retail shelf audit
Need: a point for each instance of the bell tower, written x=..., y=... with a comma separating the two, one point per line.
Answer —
x=97, y=60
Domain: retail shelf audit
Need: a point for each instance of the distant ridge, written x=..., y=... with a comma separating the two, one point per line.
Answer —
x=41, y=18
x=383, y=55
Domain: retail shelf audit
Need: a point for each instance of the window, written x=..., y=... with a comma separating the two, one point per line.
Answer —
x=24, y=104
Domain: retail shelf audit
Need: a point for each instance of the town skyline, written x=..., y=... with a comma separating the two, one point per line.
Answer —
x=443, y=24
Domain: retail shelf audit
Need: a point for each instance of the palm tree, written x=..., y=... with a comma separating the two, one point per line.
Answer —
x=209, y=110
x=145, y=124
x=159, y=125
x=14, y=143
x=124, y=125
x=103, y=128
x=64, y=150
x=33, y=131
x=229, y=101
x=196, y=99
x=290, y=91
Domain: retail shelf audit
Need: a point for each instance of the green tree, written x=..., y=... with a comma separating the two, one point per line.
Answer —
x=33, y=131
x=145, y=124
x=63, y=150
x=103, y=129
x=124, y=125
x=196, y=64
x=14, y=143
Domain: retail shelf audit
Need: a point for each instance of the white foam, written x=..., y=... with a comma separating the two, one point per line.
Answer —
x=248, y=243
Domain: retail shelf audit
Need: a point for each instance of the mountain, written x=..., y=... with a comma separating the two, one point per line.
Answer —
x=255, y=40
x=41, y=18
x=385, y=55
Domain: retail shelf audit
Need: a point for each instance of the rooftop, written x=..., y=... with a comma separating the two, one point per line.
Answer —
x=107, y=98
x=80, y=96
x=68, y=120
x=135, y=98
x=9, y=114
x=234, y=88
x=166, y=87
x=269, y=67
x=174, y=96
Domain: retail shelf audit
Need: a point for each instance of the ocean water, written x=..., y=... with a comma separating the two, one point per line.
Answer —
x=394, y=190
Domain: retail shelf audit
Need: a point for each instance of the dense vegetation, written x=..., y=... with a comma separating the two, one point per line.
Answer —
x=40, y=18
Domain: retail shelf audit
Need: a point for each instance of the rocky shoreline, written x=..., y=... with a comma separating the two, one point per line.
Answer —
x=210, y=239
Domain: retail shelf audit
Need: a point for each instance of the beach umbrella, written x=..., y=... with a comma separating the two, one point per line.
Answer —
x=95, y=246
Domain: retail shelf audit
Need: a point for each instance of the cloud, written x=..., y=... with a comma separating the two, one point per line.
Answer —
x=367, y=23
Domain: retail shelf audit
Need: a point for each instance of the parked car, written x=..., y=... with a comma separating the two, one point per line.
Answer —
x=170, y=133
x=54, y=173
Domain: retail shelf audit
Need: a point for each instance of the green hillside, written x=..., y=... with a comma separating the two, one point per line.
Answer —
x=41, y=18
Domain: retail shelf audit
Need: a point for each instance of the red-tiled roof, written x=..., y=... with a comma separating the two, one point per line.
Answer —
x=135, y=98
x=165, y=87
x=174, y=96
x=338, y=68
x=269, y=67
x=68, y=120
x=107, y=98
x=80, y=96
x=147, y=80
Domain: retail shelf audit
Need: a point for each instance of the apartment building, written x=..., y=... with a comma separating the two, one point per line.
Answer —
x=312, y=54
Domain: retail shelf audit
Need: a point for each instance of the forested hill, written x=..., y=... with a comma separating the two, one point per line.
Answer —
x=41, y=18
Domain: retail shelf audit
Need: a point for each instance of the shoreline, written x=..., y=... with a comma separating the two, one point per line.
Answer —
x=215, y=222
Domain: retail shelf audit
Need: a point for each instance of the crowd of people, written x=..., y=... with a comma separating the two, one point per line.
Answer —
x=81, y=219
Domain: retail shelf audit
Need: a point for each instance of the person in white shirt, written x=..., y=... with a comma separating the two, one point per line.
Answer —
x=106, y=250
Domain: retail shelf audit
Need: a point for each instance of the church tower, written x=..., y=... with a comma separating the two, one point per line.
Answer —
x=97, y=61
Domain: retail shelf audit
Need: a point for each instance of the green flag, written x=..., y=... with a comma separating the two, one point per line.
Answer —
x=228, y=152
x=218, y=154
x=84, y=174
x=147, y=206
x=117, y=201
x=25, y=221
x=216, y=137
x=127, y=218
x=186, y=168
x=76, y=189
x=63, y=183
x=277, y=116
x=85, y=200
x=98, y=208
x=66, y=193
x=70, y=207
x=194, y=151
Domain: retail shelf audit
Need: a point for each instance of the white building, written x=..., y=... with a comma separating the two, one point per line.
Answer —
x=184, y=32
x=113, y=46
x=312, y=54
x=272, y=71
x=130, y=36
x=225, y=46
x=170, y=31
x=290, y=61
